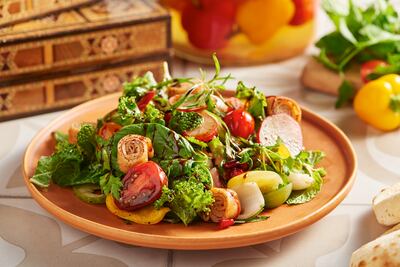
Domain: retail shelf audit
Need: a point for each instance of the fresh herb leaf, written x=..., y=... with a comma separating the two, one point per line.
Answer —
x=87, y=140
x=110, y=184
x=258, y=218
x=346, y=93
x=257, y=100
x=43, y=172
x=303, y=196
x=139, y=86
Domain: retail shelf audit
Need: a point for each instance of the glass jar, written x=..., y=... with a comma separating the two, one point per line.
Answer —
x=241, y=32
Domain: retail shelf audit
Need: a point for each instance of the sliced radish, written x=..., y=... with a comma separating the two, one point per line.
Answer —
x=284, y=127
x=207, y=130
x=251, y=200
x=300, y=181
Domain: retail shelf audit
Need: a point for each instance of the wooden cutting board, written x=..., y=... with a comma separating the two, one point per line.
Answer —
x=319, y=78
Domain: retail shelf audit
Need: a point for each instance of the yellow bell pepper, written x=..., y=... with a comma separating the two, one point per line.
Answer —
x=146, y=215
x=378, y=102
x=259, y=20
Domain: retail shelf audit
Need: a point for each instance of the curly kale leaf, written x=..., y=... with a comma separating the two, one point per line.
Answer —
x=185, y=121
x=166, y=197
x=187, y=198
x=153, y=115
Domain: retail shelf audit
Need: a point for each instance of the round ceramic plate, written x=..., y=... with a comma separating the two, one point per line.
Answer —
x=319, y=134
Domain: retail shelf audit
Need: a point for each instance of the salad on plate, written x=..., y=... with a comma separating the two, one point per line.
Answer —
x=187, y=150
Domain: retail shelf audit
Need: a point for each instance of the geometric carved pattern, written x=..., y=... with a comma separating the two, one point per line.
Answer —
x=92, y=85
x=95, y=47
x=12, y=11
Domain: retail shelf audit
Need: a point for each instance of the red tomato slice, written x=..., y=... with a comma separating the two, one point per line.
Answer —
x=142, y=186
x=369, y=67
x=145, y=100
x=206, y=131
x=225, y=223
x=109, y=129
x=304, y=11
x=240, y=123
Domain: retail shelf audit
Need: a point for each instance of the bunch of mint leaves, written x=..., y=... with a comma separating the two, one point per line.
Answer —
x=361, y=34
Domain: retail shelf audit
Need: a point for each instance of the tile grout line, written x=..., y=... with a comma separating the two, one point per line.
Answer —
x=170, y=258
x=16, y=197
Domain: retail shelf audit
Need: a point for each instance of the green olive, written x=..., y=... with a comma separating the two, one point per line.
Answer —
x=278, y=197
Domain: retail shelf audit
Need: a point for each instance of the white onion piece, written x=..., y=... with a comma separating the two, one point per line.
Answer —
x=251, y=200
x=300, y=181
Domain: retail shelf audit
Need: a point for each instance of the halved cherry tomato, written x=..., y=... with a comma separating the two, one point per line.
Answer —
x=369, y=67
x=304, y=11
x=145, y=100
x=109, y=129
x=206, y=131
x=240, y=123
x=225, y=223
x=142, y=186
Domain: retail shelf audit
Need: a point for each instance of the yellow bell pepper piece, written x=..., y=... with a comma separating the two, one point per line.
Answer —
x=283, y=151
x=259, y=20
x=145, y=215
x=378, y=102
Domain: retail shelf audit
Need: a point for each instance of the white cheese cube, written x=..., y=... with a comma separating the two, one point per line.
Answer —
x=386, y=205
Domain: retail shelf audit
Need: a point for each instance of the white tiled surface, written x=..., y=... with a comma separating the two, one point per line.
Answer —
x=29, y=236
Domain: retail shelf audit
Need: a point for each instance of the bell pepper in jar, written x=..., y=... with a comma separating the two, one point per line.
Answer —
x=241, y=32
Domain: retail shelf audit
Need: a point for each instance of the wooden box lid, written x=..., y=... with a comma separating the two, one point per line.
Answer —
x=90, y=36
x=99, y=15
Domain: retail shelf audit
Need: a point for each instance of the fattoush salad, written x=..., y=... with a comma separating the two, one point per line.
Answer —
x=180, y=150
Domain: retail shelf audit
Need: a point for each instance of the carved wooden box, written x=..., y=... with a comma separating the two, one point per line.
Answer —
x=96, y=44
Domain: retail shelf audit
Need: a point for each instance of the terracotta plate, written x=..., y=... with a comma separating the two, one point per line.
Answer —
x=340, y=164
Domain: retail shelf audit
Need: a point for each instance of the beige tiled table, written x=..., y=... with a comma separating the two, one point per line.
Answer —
x=29, y=236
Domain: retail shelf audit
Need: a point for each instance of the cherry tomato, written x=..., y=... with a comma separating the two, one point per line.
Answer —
x=109, y=129
x=369, y=67
x=225, y=223
x=304, y=11
x=240, y=123
x=145, y=100
x=142, y=185
x=206, y=26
